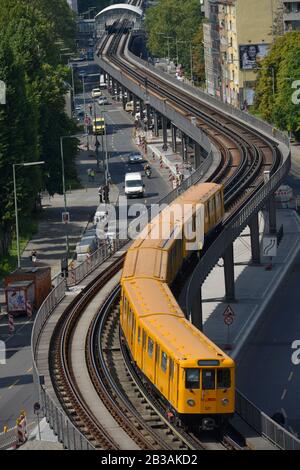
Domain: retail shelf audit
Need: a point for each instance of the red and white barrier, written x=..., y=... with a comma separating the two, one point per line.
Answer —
x=11, y=323
x=29, y=309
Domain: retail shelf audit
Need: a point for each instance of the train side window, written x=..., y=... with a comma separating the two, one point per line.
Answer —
x=150, y=347
x=192, y=378
x=218, y=201
x=208, y=379
x=139, y=335
x=164, y=361
x=133, y=326
x=171, y=367
x=144, y=339
x=223, y=378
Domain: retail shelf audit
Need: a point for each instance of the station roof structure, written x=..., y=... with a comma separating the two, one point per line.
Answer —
x=119, y=8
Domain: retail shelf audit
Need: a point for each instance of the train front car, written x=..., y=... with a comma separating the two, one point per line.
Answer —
x=207, y=393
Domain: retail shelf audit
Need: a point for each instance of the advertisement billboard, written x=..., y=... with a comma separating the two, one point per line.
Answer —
x=251, y=55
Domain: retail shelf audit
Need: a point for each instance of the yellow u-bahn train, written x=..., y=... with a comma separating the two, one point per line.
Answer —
x=194, y=377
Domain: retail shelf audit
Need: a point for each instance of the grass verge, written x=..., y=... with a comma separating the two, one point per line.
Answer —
x=8, y=263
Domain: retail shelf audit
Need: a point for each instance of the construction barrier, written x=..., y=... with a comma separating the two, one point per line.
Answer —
x=29, y=309
x=11, y=323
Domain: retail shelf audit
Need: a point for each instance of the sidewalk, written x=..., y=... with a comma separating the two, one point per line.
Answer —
x=167, y=160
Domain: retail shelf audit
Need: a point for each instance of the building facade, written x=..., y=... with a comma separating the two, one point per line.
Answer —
x=238, y=34
x=291, y=15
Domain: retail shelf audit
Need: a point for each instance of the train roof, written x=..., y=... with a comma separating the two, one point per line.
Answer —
x=150, y=297
x=146, y=263
x=182, y=341
x=199, y=193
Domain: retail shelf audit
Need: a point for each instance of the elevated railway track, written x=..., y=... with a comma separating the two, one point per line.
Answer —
x=245, y=155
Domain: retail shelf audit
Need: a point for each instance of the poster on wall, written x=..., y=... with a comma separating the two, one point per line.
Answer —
x=251, y=55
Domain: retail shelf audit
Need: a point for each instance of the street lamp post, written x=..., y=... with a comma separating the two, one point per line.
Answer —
x=16, y=203
x=64, y=183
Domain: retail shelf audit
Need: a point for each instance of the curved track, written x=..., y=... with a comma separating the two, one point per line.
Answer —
x=245, y=156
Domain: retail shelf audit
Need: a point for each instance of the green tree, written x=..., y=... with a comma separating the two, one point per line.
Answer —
x=33, y=119
x=274, y=89
x=178, y=20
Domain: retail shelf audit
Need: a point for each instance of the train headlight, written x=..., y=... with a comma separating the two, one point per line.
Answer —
x=225, y=401
x=191, y=402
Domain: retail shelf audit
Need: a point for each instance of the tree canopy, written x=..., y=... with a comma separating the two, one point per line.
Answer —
x=177, y=25
x=33, y=118
x=276, y=82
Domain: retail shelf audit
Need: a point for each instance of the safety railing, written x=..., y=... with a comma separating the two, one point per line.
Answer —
x=247, y=118
x=264, y=425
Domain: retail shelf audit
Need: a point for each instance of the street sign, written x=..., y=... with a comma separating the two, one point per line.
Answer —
x=228, y=312
x=228, y=320
x=65, y=217
x=270, y=246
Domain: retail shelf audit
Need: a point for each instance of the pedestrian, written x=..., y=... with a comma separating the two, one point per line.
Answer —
x=93, y=174
x=33, y=256
x=89, y=174
x=100, y=193
x=106, y=193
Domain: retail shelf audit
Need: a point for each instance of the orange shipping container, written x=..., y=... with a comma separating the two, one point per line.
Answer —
x=41, y=277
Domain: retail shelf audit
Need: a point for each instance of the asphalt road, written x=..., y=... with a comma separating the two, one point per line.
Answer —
x=266, y=373
x=16, y=384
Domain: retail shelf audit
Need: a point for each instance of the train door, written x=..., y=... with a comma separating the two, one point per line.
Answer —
x=162, y=373
x=133, y=338
x=156, y=372
x=144, y=342
x=173, y=384
x=139, y=347
x=149, y=359
x=208, y=390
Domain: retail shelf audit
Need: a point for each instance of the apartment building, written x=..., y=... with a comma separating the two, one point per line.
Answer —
x=237, y=36
x=291, y=15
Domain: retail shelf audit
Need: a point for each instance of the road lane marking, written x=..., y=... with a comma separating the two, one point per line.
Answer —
x=290, y=376
x=15, y=383
x=283, y=394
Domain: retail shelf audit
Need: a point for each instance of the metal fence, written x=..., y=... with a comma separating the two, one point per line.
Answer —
x=264, y=425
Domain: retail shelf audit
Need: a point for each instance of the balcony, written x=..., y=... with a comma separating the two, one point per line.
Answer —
x=291, y=16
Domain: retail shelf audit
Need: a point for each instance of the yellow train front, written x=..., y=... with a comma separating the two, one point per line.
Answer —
x=193, y=376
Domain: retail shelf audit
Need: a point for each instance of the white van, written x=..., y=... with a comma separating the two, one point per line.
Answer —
x=134, y=185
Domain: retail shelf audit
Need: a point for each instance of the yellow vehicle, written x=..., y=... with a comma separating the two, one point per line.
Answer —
x=99, y=126
x=190, y=373
x=194, y=377
x=163, y=246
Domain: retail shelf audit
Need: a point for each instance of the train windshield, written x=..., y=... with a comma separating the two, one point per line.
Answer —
x=208, y=379
x=223, y=378
x=192, y=378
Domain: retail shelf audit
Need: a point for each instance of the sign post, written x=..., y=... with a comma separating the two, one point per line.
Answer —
x=37, y=409
x=228, y=320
